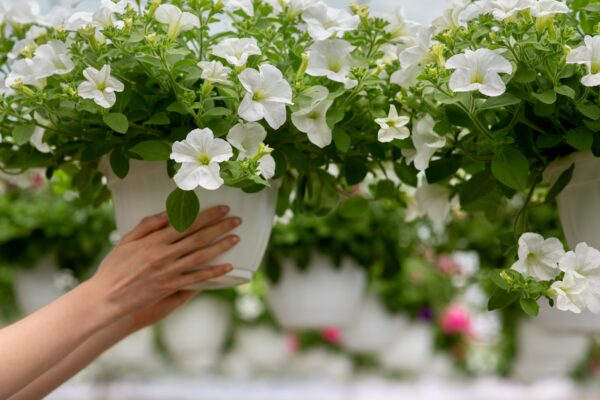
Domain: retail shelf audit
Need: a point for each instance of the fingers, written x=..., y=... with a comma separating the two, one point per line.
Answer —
x=204, y=237
x=206, y=254
x=203, y=275
x=207, y=217
x=146, y=226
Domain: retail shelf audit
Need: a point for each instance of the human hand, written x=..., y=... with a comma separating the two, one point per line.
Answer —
x=156, y=312
x=153, y=261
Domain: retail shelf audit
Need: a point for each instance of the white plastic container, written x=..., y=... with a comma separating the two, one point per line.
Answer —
x=372, y=329
x=195, y=335
x=579, y=202
x=566, y=321
x=543, y=354
x=412, y=351
x=323, y=296
x=321, y=363
x=36, y=288
x=134, y=355
x=144, y=192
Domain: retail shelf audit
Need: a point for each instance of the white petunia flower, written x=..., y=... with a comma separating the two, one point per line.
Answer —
x=332, y=59
x=37, y=140
x=105, y=18
x=426, y=142
x=413, y=60
x=393, y=127
x=456, y=16
x=244, y=5
x=100, y=86
x=431, y=200
x=547, y=8
x=2, y=14
x=538, y=257
x=79, y=20
x=478, y=70
x=24, y=71
x=52, y=59
x=248, y=139
x=119, y=7
x=177, y=20
x=312, y=118
x=236, y=51
x=401, y=29
x=293, y=7
x=569, y=293
x=200, y=154
x=215, y=72
x=268, y=94
x=23, y=13
x=27, y=45
x=585, y=261
x=504, y=9
x=589, y=55
x=327, y=22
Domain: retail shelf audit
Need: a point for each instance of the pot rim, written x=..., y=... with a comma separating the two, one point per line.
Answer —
x=558, y=166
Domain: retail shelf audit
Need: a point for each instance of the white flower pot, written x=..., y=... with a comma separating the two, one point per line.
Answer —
x=144, y=192
x=412, y=351
x=323, y=296
x=579, y=202
x=134, y=354
x=372, y=329
x=196, y=334
x=544, y=354
x=36, y=288
x=566, y=321
x=320, y=363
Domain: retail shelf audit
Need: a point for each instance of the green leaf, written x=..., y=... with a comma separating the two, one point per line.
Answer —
x=495, y=277
x=117, y=122
x=177, y=107
x=160, y=118
x=406, y=173
x=182, y=209
x=355, y=170
x=217, y=112
x=530, y=306
x=548, y=140
x=511, y=168
x=152, y=150
x=354, y=207
x=580, y=138
x=119, y=163
x=524, y=74
x=501, y=299
x=22, y=133
x=589, y=110
x=443, y=168
x=504, y=100
x=386, y=189
x=480, y=185
x=562, y=181
x=93, y=151
x=342, y=140
x=546, y=97
x=565, y=91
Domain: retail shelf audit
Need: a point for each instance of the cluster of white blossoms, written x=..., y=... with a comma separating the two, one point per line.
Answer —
x=545, y=259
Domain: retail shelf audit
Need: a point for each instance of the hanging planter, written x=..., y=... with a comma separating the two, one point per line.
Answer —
x=196, y=334
x=136, y=354
x=544, y=354
x=579, y=201
x=37, y=287
x=372, y=329
x=412, y=351
x=566, y=322
x=321, y=296
x=145, y=190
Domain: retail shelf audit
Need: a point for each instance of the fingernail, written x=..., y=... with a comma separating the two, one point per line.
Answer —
x=228, y=268
x=224, y=209
x=234, y=239
x=236, y=221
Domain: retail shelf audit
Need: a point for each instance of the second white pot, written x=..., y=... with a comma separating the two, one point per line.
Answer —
x=196, y=334
x=321, y=297
x=555, y=320
x=36, y=288
x=144, y=192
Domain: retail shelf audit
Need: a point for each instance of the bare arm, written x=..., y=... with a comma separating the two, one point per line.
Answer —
x=150, y=264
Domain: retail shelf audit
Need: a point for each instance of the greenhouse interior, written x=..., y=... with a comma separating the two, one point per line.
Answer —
x=300, y=199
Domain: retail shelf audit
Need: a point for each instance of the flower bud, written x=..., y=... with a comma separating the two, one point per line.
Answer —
x=128, y=22
x=303, y=67
x=506, y=277
x=151, y=38
x=437, y=51
x=218, y=6
x=153, y=6
x=361, y=10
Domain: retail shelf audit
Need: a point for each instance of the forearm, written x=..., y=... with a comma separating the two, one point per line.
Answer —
x=35, y=344
x=80, y=358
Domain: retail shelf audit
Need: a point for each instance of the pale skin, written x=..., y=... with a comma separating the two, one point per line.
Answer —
x=141, y=281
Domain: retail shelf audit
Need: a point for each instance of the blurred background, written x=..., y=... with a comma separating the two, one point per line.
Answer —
x=337, y=312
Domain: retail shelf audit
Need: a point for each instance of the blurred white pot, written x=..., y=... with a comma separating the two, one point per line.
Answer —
x=257, y=350
x=412, y=351
x=36, y=288
x=320, y=297
x=134, y=354
x=566, y=321
x=320, y=363
x=195, y=334
x=543, y=354
x=372, y=329
x=144, y=192
x=579, y=202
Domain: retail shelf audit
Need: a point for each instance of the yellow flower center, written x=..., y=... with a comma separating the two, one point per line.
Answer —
x=532, y=258
x=313, y=115
x=259, y=95
x=203, y=159
x=595, y=67
x=335, y=66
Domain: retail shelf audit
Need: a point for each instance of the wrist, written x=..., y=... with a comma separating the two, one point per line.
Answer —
x=104, y=310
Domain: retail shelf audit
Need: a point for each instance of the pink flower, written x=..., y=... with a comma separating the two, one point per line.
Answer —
x=292, y=343
x=455, y=319
x=447, y=265
x=332, y=334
